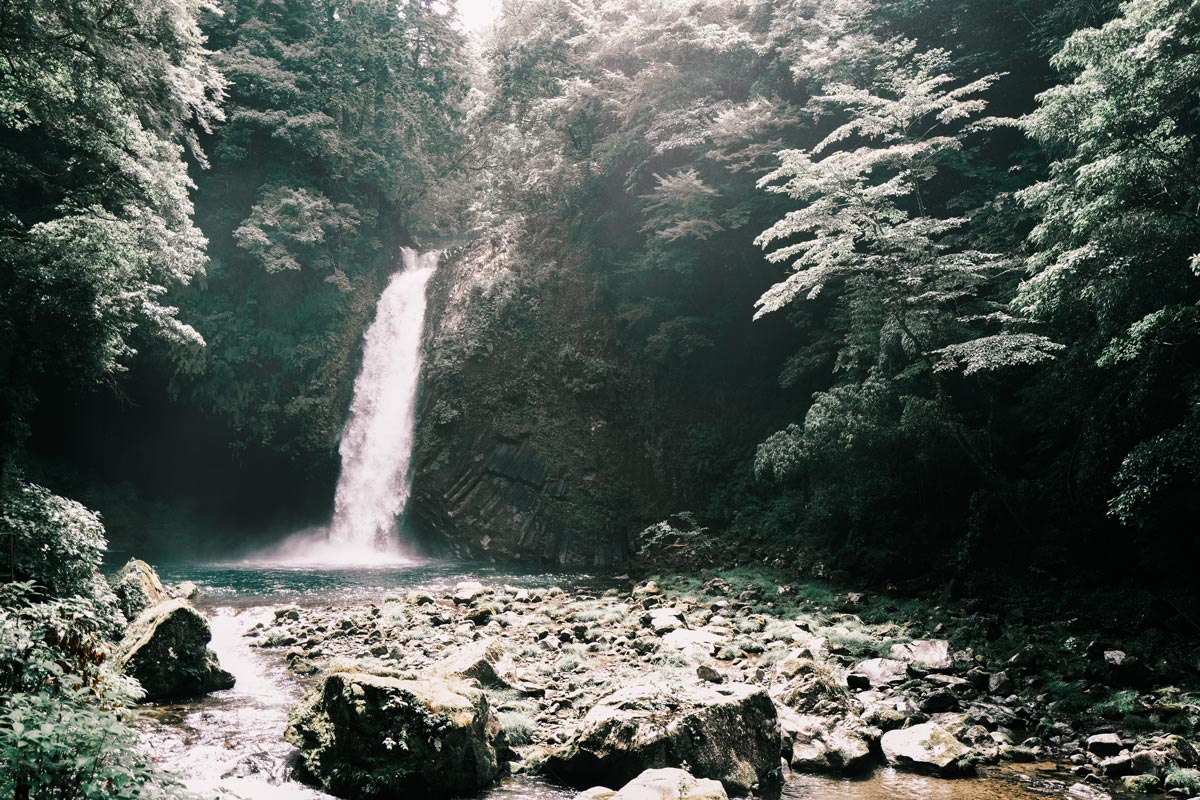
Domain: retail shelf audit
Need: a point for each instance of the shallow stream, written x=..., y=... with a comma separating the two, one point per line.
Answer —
x=230, y=744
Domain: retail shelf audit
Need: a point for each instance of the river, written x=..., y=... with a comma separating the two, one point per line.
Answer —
x=230, y=744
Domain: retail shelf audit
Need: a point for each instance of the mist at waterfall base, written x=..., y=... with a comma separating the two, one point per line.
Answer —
x=376, y=447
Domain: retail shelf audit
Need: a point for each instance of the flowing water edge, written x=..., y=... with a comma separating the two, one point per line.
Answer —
x=230, y=743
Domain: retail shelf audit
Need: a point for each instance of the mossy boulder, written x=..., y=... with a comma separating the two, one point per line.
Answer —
x=363, y=735
x=728, y=733
x=166, y=650
x=137, y=588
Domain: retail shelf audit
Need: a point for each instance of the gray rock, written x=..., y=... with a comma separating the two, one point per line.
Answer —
x=882, y=671
x=432, y=737
x=1082, y=791
x=596, y=793
x=728, y=733
x=930, y=654
x=669, y=784
x=663, y=621
x=926, y=748
x=466, y=591
x=695, y=643
x=137, y=588
x=1118, y=765
x=1105, y=744
x=166, y=650
x=485, y=661
x=826, y=744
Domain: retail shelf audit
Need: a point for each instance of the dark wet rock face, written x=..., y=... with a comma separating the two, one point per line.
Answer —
x=166, y=650
x=364, y=735
x=515, y=456
x=494, y=502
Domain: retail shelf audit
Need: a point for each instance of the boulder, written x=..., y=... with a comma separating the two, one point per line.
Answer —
x=485, y=661
x=881, y=671
x=188, y=590
x=810, y=686
x=825, y=744
x=137, y=588
x=727, y=732
x=1105, y=744
x=662, y=784
x=696, y=644
x=431, y=737
x=467, y=591
x=663, y=621
x=926, y=748
x=929, y=654
x=166, y=650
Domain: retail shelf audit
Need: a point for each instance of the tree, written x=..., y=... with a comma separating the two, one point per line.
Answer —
x=1116, y=264
x=342, y=120
x=912, y=298
x=98, y=101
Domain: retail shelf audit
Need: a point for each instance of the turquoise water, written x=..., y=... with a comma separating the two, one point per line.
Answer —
x=247, y=584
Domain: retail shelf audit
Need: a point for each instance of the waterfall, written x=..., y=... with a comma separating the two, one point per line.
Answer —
x=376, y=448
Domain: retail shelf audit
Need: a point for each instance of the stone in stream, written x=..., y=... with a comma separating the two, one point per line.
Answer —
x=467, y=591
x=166, y=650
x=1105, y=744
x=728, y=733
x=825, y=744
x=928, y=747
x=137, y=588
x=362, y=734
x=660, y=784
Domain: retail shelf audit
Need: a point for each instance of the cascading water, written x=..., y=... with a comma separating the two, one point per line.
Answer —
x=376, y=447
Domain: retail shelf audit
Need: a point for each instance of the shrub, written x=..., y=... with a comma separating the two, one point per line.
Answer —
x=64, y=733
x=59, y=542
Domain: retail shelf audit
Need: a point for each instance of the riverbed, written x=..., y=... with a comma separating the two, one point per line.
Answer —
x=230, y=744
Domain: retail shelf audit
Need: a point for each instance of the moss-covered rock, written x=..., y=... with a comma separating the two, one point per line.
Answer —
x=137, y=588
x=728, y=733
x=166, y=650
x=363, y=735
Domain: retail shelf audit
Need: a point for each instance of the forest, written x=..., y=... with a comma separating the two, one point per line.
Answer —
x=879, y=308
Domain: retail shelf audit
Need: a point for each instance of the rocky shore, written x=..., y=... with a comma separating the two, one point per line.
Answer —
x=735, y=680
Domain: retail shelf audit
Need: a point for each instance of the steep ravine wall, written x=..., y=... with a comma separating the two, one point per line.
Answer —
x=527, y=447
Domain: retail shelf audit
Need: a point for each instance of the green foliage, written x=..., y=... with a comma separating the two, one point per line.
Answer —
x=59, y=544
x=342, y=121
x=64, y=720
x=1122, y=130
x=97, y=102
